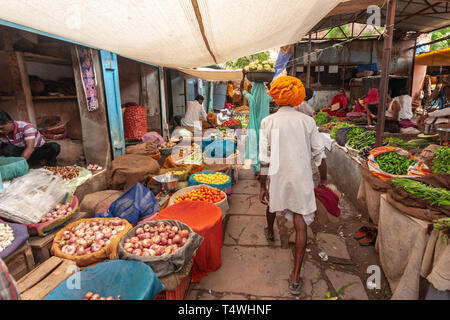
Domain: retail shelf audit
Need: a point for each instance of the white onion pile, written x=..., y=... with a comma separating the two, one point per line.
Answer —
x=156, y=241
x=90, y=237
x=57, y=212
x=6, y=236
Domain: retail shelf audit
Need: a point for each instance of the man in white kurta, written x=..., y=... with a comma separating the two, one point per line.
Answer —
x=194, y=113
x=288, y=141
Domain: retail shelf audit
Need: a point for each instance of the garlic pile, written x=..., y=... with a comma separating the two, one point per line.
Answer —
x=6, y=236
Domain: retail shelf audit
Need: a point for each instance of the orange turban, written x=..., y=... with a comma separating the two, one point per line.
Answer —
x=287, y=91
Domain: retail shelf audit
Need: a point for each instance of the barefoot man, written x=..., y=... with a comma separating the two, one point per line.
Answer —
x=288, y=141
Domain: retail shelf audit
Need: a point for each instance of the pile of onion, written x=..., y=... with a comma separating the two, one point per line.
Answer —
x=156, y=241
x=96, y=296
x=90, y=237
x=60, y=210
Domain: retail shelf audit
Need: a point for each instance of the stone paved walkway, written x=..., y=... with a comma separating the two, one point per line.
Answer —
x=253, y=269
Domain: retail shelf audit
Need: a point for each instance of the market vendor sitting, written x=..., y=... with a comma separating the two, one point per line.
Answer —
x=222, y=117
x=22, y=139
x=195, y=113
x=395, y=112
x=339, y=105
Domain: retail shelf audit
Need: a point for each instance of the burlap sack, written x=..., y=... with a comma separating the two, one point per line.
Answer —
x=169, y=163
x=425, y=214
x=370, y=199
x=93, y=202
x=107, y=252
x=374, y=182
x=130, y=169
x=144, y=148
x=223, y=205
x=168, y=263
x=427, y=155
x=436, y=262
x=418, y=207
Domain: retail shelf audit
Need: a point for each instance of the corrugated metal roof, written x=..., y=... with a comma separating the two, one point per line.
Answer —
x=411, y=15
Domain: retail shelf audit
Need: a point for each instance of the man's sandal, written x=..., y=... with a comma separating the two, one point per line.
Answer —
x=295, y=288
x=362, y=232
x=369, y=239
x=266, y=233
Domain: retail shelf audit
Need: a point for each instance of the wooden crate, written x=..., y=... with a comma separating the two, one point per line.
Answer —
x=20, y=262
x=41, y=245
x=37, y=284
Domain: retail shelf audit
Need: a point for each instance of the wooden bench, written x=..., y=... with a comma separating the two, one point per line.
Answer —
x=20, y=262
x=41, y=245
x=37, y=284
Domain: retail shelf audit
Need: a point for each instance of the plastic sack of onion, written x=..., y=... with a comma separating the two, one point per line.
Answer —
x=89, y=241
x=164, y=245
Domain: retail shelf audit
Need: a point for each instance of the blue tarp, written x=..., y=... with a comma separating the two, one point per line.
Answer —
x=133, y=205
x=131, y=279
x=367, y=67
x=219, y=148
x=281, y=63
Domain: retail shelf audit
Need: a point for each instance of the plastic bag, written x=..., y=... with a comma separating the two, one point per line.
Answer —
x=132, y=280
x=30, y=197
x=133, y=205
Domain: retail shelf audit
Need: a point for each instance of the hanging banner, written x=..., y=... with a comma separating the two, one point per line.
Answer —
x=88, y=77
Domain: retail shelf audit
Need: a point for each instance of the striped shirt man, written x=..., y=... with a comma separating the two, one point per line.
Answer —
x=8, y=287
x=22, y=131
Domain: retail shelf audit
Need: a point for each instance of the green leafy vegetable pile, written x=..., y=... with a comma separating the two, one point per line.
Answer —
x=397, y=141
x=321, y=118
x=339, y=126
x=441, y=161
x=354, y=133
x=393, y=163
x=437, y=196
x=362, y=141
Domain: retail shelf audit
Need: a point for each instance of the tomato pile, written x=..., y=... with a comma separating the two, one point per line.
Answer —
x=205, y=194
x=231, y=122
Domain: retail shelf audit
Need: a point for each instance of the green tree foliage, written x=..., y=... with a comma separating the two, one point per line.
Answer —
x=441, y=44
x=245, y=61
x=336, y=32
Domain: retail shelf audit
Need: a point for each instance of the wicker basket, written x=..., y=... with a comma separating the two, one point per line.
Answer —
x=260, y=76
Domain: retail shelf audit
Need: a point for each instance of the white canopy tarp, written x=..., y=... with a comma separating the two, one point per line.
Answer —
x=213, y=74
x=169, y=32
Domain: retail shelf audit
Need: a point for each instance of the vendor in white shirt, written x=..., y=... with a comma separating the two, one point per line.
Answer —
x=194, y=113
x=223, y=116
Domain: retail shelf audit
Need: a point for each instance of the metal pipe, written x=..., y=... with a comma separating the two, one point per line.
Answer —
x=308, y=69
x=384, y=81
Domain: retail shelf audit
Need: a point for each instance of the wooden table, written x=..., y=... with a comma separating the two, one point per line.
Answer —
x=37, y=284
x=20, y=262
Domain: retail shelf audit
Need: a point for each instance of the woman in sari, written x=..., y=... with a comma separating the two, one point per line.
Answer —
x=340, y=99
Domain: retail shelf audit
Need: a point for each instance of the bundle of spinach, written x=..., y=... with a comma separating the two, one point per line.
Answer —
x=393, y=163
x=437, y=196
x=362, y=141
x=441, y=161
x=354, y=133
x=397, y=141
x=321, y=118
